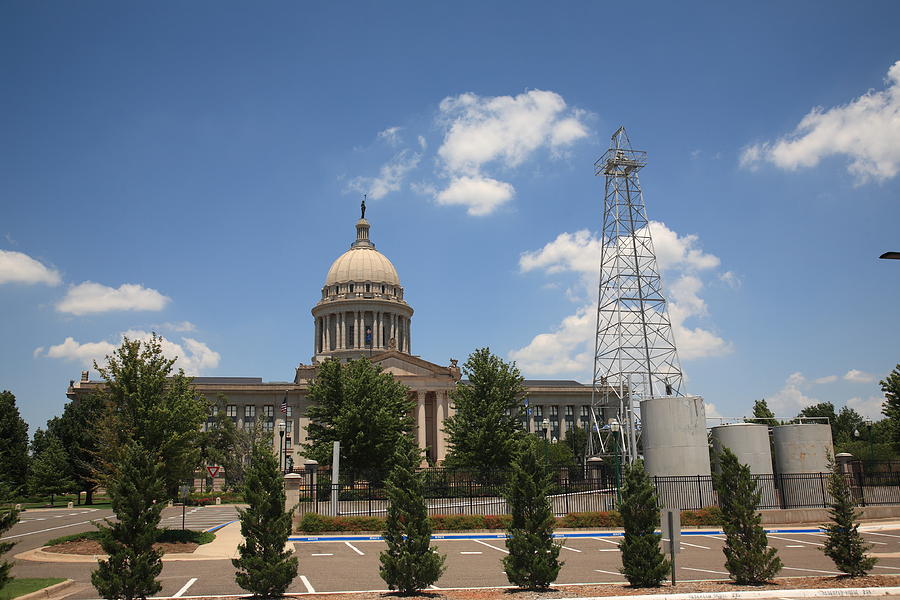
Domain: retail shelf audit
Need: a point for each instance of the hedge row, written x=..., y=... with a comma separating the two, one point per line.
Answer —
x=315, y=523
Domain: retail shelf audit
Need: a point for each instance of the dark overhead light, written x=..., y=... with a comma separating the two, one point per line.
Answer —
x=895, y=255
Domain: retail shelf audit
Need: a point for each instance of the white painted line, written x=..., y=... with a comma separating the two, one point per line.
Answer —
x=715, y=537
x=694, y=545
x=9, y=537
x=608, y=572
x=607, y=550
x=884, y=534
x=355, y=549
x=471, y=552
x=572, y=549
x=309, y=588
x=886, y=567
x=795, y=546
x=704, y=571
x=503, y=550
x=181, y=592
x=323, y=554
x=793, y=540
x=812, y=571
x=433, y=587
x=599, y=539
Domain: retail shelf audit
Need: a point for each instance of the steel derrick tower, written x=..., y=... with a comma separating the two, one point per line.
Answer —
x=634, y=349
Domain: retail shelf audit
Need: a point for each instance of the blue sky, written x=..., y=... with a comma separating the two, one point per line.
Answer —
x=194, y=168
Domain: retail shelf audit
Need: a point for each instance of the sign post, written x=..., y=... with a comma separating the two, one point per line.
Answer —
x=335, y=477
x=671, y=531
x=185, y=490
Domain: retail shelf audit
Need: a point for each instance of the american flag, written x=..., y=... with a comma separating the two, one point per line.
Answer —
x=284, y=405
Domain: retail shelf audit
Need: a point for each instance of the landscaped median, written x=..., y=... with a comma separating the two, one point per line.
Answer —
x=23, y=586
x=315, y=523
x=170, y=541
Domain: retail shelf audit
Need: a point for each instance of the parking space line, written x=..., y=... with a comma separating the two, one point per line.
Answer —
x=608, y=572
x=355, y=549
x=572, y=549
x=795, y=546
x=886, y=567
x=694, y=545
x=323, y=554
x=607, y=550
x=503, y=550
x=884, y=534
x=704, y=571
x=184, y=588
x=812, y=570
x=599, y=539
x=715, y=537
x=309, y=588
x=472, y=552
x=793, y=540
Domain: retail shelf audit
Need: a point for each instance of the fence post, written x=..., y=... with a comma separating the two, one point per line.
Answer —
x=471, y=498
x=822, y=485
x=566, y=492
x=699, y=493
x=369, y=496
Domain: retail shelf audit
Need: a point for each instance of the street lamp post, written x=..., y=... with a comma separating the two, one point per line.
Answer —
x=281, y=428
x=614, y=429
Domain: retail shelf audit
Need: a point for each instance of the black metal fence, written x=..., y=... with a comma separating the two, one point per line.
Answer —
x=452, y=492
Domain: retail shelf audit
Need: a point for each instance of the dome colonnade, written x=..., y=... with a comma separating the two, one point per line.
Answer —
x=362, y=309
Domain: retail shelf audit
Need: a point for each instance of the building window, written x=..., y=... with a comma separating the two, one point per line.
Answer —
x=231, y=411
x=290, y=411
x=554, y=412
x=351, y=288
x=248, y=426
x=570, y=411
x=538, y=412
x=213, y=410
x=268, y=411
x=288, y=427
x=249, y=411
x=368, y=287
x=287, y=442
x=585, y=412
x=382, y=289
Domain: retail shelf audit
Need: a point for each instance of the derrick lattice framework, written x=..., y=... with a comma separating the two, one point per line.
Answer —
x=634, y=351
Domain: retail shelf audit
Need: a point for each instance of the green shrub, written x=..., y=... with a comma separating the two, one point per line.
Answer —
x=604, y=519
x=704, y=517
x=171, y=536
x=84, y=535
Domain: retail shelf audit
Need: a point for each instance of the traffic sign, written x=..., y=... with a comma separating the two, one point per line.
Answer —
x=213, y=471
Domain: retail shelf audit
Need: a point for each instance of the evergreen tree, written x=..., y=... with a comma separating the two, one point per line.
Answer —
x=146, y=401
x=763, y=414
x=9, y=516
x=226, y=445
x=748, y=558
x=136, y=491
x=890, y=385
x=533, y=560
x=49, y=473
x=845, y=546
x=409, y=564
x=485, y=430
x=362, y=407
x=13, y=444
x=264, y=566
x=643, y=564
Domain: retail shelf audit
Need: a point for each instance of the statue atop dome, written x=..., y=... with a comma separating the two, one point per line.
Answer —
x=362, y=207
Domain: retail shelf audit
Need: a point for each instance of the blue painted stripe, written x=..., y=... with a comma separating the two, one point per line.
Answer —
x=501, y=536
x=218, y=527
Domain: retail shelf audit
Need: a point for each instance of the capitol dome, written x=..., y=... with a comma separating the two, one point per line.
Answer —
x=362, y=263
x=362, y=309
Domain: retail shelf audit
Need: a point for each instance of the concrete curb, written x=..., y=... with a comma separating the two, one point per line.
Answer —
x=38, y=555
x=750, y=595
x=48, y=592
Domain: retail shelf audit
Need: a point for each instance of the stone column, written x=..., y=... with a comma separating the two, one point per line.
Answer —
x=316, y=338
x=381, y=330
x=292, y=490
x=409, y=336
x=327, y=333
x=440, y=413
x=356, y=337
x=421, y=434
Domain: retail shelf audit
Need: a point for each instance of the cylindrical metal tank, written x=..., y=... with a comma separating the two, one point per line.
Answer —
x=749, y=441
x=801, y=454
x=673, y=433
x=802, y=448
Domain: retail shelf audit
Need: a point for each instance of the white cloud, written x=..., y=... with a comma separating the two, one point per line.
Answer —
x=390, y=176
x=480, y=195
x=826, y=379
x=731, y=280
x=866, y=130
x=391, y=135
x=180, y=326
x=869, y=408
x=790, y=400
x=194, y=356
x=16, y=267
x=712, y=412
x=568, y=349
x=857, y=376
x=89, y=297
x=422, y=143
x=501, y=131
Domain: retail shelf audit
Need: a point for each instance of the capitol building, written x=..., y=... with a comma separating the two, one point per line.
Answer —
x=363, y=312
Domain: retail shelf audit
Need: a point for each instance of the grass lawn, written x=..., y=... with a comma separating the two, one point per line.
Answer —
x=19, y=587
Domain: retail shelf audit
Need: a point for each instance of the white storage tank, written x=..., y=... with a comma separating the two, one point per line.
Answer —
x=801, y=455
x=673, y=433
x=802, y=448
x=749, y=441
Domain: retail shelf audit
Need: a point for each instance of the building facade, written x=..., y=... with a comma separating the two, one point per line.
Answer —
x=362, y=312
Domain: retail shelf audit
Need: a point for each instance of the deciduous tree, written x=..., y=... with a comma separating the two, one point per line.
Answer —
x=363, y=408
x=763, y=414
x=486, y=429
x=78, y=430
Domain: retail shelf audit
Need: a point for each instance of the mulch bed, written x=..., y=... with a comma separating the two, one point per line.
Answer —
x=92, y=547
x=580, y=591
